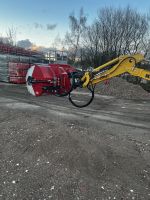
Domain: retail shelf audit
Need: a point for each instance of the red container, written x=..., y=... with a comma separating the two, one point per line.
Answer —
x=18, y=69
x=54, y=77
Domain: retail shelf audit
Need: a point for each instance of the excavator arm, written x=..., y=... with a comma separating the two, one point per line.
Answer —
x=121, y=65
x=118, y=66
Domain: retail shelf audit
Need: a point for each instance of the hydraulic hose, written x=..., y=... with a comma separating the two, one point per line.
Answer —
x=91, y=89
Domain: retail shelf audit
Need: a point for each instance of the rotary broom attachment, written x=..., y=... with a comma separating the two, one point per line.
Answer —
x=56, y=79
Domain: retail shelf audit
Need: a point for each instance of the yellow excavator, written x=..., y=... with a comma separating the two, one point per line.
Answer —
x=125, y=64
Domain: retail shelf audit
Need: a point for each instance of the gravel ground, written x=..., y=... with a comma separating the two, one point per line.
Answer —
x=46, y=156
x=120, y=88
x=51, y=150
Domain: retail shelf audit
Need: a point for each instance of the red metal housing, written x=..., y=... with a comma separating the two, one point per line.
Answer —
x=49, y=79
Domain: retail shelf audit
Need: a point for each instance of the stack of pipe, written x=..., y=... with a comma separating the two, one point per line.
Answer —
x=4, y=68
x=14, y=62
x=13, y=68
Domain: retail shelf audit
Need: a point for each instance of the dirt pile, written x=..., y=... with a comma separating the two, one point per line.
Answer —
x=120, y=88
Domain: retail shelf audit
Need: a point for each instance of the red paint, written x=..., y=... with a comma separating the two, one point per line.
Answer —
x=54, y=75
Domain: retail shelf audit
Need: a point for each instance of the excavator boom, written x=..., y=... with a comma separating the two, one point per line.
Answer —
x=118, y=66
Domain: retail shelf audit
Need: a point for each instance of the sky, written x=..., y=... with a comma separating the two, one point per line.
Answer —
x=41, y=21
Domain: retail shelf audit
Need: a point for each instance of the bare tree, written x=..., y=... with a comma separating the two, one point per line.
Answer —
x=115, y=32
x=11, y=35
x=123, y=29
x=57, y=43
x=77, y=27
x=91, y=45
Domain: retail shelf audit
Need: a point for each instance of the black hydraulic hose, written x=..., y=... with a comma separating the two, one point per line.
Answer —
x=74, y=85
x=91, y=89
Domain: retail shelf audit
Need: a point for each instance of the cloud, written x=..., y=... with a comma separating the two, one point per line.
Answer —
x=24, y=43
x=51, y=26
x=47, y=26
x=38, y=25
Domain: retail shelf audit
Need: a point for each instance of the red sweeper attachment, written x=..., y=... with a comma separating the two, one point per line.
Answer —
x=49, y=79
x=55, y=79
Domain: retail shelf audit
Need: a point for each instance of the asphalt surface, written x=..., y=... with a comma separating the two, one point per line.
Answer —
x=52, y=150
